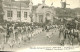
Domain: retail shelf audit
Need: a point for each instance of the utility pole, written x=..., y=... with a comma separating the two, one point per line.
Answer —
x=20, y=10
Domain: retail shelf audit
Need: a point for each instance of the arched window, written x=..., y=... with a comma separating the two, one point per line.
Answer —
x=41, y=18
x=48, y=16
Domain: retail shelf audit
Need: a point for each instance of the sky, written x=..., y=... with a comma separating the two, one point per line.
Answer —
x=56, y=3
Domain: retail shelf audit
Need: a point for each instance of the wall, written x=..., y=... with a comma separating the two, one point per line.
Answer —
x=15, y=18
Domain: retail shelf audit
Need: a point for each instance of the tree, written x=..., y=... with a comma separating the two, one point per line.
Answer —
x=71, y=24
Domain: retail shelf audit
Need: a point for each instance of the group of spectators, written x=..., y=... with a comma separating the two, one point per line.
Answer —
x=19, y=34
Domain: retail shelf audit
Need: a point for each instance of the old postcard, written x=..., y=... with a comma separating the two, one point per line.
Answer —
x=40, y=25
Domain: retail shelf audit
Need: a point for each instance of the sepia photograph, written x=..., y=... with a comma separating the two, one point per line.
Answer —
x=50, y=25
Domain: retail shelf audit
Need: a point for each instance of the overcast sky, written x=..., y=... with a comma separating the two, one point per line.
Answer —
x=56, y=3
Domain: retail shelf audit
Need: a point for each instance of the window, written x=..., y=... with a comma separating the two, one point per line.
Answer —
x=18, y=14
x=25, y=14
x=41, y=18
x=9, y=14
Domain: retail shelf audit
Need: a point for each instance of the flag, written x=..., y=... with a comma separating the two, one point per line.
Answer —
x=51, y=4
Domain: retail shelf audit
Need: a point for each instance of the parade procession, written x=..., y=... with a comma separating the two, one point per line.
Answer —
x=23, y=24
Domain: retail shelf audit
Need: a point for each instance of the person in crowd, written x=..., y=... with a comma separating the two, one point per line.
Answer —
x=8, y=33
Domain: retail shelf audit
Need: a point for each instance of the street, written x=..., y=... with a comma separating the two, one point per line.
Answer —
x=39, y=40
x=28, y=23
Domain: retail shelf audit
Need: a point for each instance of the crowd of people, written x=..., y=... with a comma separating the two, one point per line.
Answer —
x=13, y=34
x=70, y=34
x=66, y=35
x=18, y=34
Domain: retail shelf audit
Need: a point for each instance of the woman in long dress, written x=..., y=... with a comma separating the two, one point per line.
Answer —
x=61, y=36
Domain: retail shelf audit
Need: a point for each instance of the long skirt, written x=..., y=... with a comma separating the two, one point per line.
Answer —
x=61, y=38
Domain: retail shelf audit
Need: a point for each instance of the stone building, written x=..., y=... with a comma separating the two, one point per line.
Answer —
x=43, y=13
x=17, y=11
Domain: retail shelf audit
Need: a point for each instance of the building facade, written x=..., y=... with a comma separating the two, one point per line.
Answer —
x=43, y=13
x=17, y=11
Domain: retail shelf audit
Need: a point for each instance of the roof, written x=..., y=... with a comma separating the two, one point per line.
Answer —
x=26, y=2
x=17, y=3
